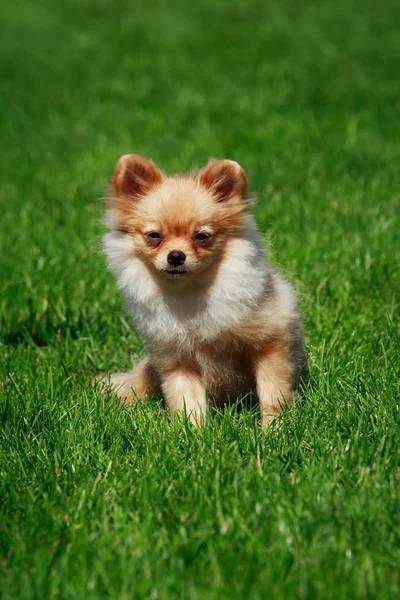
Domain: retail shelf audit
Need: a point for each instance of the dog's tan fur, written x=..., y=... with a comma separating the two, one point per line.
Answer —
x=227, y=323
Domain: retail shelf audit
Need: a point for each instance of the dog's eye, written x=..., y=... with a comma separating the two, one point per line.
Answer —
x=154, y=235
x=200, y=237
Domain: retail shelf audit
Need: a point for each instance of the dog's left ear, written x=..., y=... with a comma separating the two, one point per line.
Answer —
x=134, y=176
x=225, y=179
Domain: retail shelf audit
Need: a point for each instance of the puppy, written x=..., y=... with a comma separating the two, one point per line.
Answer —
x=217, y=321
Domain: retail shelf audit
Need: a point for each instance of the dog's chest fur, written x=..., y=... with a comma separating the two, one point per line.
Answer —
x=212, y=330
x=181, y=313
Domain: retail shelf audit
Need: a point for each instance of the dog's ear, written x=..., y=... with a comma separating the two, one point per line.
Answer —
x=134, y=176
x=225, y=179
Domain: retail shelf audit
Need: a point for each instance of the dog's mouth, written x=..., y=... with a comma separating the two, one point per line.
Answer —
x=176, y=271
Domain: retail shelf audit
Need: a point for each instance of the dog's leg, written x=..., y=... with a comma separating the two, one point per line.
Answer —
x=141, y=382
x=273, y=374
x=184, y=390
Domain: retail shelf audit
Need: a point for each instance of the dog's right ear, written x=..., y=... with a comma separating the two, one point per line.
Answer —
x=134, y=176
x=225, y=179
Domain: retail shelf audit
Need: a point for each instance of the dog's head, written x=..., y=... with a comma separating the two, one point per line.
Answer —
x=177, y=225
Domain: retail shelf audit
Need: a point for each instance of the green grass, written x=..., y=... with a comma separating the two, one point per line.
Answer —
x=102, y=502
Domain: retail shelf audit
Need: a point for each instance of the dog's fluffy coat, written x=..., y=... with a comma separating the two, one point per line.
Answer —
x=218, y=325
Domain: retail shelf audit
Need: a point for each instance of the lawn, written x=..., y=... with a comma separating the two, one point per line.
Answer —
x=98, y=501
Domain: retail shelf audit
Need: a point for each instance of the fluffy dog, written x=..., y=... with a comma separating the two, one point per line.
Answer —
x=217, y=321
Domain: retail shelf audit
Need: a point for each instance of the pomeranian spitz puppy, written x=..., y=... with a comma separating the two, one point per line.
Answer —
x=217, y=321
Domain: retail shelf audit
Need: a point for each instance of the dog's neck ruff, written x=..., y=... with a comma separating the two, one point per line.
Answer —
x=185, y=312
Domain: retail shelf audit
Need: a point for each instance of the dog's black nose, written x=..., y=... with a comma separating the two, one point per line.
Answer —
x=176, y=258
